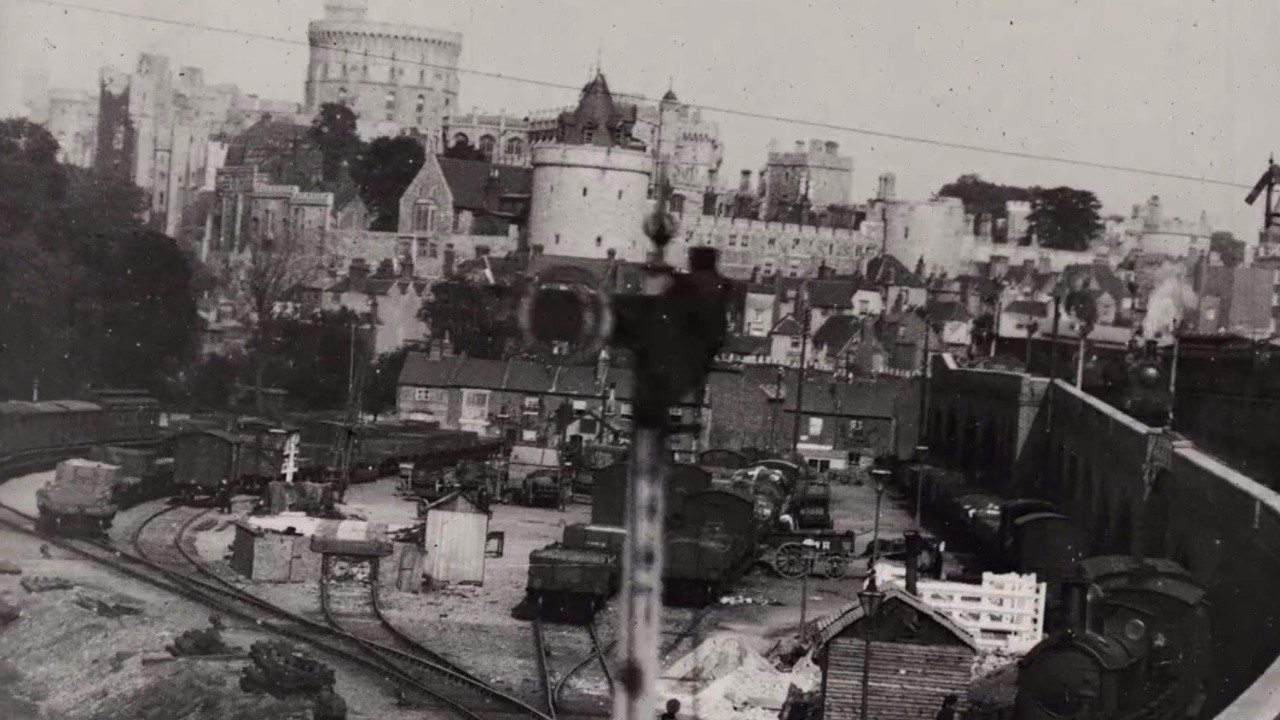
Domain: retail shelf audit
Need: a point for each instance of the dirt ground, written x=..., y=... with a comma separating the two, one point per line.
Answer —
x=474, y=626
x=62, y=661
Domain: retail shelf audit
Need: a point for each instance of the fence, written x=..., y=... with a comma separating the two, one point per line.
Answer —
x=1005, y=612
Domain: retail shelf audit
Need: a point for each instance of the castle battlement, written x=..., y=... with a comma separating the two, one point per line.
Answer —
x=712, y=223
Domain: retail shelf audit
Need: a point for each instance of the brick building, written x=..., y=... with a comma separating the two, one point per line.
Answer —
x=530, y=402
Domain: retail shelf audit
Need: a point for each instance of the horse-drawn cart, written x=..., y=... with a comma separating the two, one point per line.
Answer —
x=823, y=552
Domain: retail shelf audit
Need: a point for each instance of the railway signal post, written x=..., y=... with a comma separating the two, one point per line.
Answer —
x=673, y=330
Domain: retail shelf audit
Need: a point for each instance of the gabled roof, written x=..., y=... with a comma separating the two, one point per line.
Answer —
x=948, y=311
x=889, y=270
x=1099, y=277
x=1034, y=308
x=480, y=186
x=747, y=345
x=786, y=326
x=832, y=294
x=826, y=630
x=836, y=332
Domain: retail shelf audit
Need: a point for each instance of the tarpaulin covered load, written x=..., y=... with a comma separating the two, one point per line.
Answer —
x=351, y=537
x=82, y=486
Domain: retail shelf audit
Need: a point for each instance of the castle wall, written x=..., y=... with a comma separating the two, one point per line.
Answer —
x=589, y=200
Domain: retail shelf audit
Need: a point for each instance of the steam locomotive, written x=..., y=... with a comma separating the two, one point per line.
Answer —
x=1137, y=645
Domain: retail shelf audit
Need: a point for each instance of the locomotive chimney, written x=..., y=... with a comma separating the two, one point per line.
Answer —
x=913, y=562
x=1075, y=601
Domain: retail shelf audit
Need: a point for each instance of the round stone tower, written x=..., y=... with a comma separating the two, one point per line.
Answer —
x=395, y=77
x=589, y=200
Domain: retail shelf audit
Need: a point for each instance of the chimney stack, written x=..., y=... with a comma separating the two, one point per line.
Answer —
x=1075, y=601
x=914, y=546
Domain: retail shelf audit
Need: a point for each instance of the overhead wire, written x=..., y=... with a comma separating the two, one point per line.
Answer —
x=734, y=112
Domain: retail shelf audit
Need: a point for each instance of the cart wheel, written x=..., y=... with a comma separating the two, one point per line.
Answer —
x=789, y=560
x=836, y=566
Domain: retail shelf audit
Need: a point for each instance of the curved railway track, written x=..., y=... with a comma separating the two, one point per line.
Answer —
x=553, y=689
x=167, y=566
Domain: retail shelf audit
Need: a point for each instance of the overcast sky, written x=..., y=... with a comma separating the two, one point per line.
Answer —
x=1183, y=86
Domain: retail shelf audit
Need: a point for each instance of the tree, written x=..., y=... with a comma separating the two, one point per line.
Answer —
x=383, y=172
x=312, y=357
x=30, y=176
x=266, y=278
x=1228, y=248
x=982, y=198
x=1081, y=303
x=464, y=150
x=147, y=302
x=480, y=322
x=1064, y=218
x=382, y=381
x=334, y=131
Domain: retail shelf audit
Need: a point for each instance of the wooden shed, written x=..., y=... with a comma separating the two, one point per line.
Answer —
x=918, y=657
x=454, y=541
x=268, y=556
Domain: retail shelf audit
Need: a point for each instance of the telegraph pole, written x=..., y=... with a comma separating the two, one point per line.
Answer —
x=802, y=304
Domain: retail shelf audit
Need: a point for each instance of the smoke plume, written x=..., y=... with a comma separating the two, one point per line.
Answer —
x=1169, y=302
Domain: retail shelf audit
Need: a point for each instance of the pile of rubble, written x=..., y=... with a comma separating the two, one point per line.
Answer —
x=723, y=678
x=281, y=670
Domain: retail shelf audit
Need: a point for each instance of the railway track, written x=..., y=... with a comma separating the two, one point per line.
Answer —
x=168, y=566
x=553, y=688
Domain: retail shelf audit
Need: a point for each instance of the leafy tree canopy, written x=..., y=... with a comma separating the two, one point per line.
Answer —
x=334, y=131
x=983, y=198
x=89, y=296
x=383, y=172
x=479, y=322
x=1064, y=218
x=312, y=356
x=381, y=382
x=464, y=150
x=1228, y=248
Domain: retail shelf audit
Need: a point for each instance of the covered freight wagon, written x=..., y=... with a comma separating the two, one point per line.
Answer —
x=204, y=458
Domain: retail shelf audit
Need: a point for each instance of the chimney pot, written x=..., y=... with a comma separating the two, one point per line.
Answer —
x=913, y=562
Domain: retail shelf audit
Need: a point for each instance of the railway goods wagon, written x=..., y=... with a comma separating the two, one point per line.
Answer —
x=609, y=491
x=145, y=474
x=569, y=582
x=79, y=499
x=127, y=414
x=698, y=568
x=268, y=448
x=1136, y=646
x=604, y=538
x=712, y=543
x=204, y=458
x=1048, y=544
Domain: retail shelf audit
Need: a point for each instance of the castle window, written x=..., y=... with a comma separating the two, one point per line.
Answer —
x=420, y=105
x=515, y=147
x=422, y=77
x=588, y=135
x=733, y=241
x=619, y=194
x=391, y=100
x=599, y=240
x=424, y=216
x=487, y=145
x=461, y=139
x=342, y=96
x=364, y=72
x=773, y=241
x=557, y=238
x=345, y=70
x=324, y=72
x=584, y=192
x=432, y=252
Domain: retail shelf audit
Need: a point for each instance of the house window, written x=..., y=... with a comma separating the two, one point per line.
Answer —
x=864, y=306
x=733, y=241
x=624, y=410
x=528, y=436
x=477, y=399
x=588, y=136
x=675, y=416
x=424, y=216
x=855, y=425
x=422, y=248
x=432, y=251
x=579, y=406
x=421, y=394
x=795, y=343
x=532, y=403
x=773, y=241
x=815, y=426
